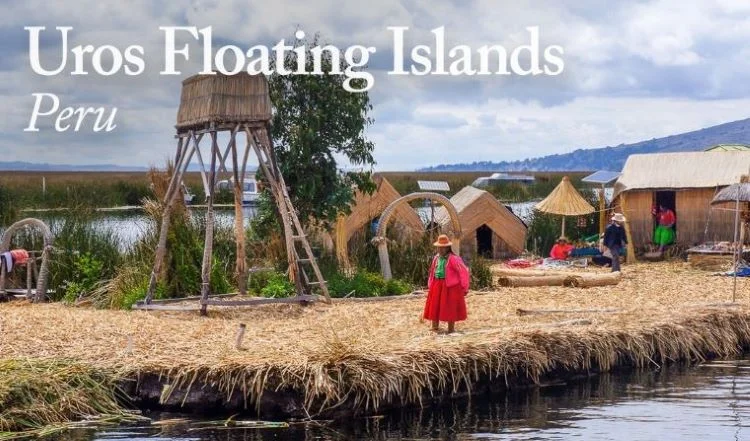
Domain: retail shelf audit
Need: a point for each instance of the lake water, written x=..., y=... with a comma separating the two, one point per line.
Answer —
x=709, y=401
x=131, y=225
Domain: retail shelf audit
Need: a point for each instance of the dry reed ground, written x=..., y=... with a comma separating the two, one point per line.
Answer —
x=375, y=352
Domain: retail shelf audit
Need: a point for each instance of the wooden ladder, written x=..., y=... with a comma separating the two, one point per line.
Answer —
x=295, y=236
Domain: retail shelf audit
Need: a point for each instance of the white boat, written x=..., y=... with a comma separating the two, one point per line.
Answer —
x=188, y=197
x=250, y=191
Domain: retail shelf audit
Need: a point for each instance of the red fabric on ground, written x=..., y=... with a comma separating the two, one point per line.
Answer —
x=445, y=304
x=520, y=263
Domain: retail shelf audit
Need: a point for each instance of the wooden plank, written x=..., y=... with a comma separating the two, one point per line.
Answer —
x=153, y=307
x=22, y=291
x=190, y=298
x=414, y=295
x=521, y=311
x=258, y=301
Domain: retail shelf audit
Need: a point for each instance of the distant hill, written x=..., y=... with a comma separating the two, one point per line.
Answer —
x=613, y=158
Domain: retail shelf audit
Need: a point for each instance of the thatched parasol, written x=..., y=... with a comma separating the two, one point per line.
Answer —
x=735, y=194
x=565, y=201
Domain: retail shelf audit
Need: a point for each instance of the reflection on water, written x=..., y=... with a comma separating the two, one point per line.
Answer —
x=699, y=403
x=131, y=225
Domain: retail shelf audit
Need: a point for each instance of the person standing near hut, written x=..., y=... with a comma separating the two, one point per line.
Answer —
x=448, y=284
x=664, y=233
x=615, y=239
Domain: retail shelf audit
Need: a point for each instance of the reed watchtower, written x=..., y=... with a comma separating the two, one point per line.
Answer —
x=237, y=104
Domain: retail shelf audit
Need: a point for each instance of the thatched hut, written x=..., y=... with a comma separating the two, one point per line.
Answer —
x=366, y=210
x=488, y=228
x=685, y=183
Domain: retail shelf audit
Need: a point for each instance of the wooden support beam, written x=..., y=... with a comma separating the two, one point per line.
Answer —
x=602, y=212
x=240, y=265
x=628, y=235
x=169, y=198
x=204, y=178
x=209, y=240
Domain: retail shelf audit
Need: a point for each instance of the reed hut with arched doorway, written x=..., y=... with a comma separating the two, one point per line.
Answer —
x=365, y=214
x=489, y=228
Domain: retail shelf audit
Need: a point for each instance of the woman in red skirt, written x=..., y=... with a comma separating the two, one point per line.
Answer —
x=448, y=284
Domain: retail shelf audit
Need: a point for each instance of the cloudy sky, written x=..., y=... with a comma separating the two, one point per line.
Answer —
x=634, y=70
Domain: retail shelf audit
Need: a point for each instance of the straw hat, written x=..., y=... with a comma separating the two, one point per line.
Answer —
x=443, y=241
x=618, y=217
x=562, y=238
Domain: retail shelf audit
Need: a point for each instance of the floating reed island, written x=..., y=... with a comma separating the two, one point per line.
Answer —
x=362, y=356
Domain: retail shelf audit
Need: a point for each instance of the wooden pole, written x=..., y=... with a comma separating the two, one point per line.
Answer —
x=602, y=211
x=563, y=226
x=631, y=248
x=738, y=247
x=169, y=198
x=209, y=241
x=240, y=335
x=269, y=170
x=28, y=278
x=240, y=266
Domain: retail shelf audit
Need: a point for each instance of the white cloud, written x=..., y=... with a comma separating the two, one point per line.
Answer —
x=633, y=71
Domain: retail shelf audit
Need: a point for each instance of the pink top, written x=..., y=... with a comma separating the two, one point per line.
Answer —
x=456, y=273
x=20, y=256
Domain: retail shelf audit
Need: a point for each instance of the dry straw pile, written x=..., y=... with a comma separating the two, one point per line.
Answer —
x=364, y=354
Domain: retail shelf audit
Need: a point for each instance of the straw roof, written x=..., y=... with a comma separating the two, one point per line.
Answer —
x=241, y=98
x=369, y=206
x=565, y=200
x=683, y=170
x=733, y=193
x=477, y=207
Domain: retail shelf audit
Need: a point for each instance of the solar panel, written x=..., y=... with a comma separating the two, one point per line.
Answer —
x=433, y=186
x=601, y=177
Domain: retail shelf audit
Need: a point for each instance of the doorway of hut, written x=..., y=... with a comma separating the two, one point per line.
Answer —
x=665, y=199
x=484, y=242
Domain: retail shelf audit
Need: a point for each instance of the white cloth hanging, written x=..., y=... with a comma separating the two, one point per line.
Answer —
x=6, y=259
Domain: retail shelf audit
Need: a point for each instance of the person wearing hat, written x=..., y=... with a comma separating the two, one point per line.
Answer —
x=615, y=239
x=561, y=250
x=447, y=283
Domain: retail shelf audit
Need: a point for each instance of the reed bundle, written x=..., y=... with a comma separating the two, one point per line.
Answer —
x=36, y=395
x=499, y=270
x=711, y=262
x=590, y=280
x=518, y=281
x=363, y=355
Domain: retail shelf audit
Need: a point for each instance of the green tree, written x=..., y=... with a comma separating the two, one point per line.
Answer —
x=315, y=121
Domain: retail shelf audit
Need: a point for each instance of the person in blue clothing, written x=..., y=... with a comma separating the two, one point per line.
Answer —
x=615, y=239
